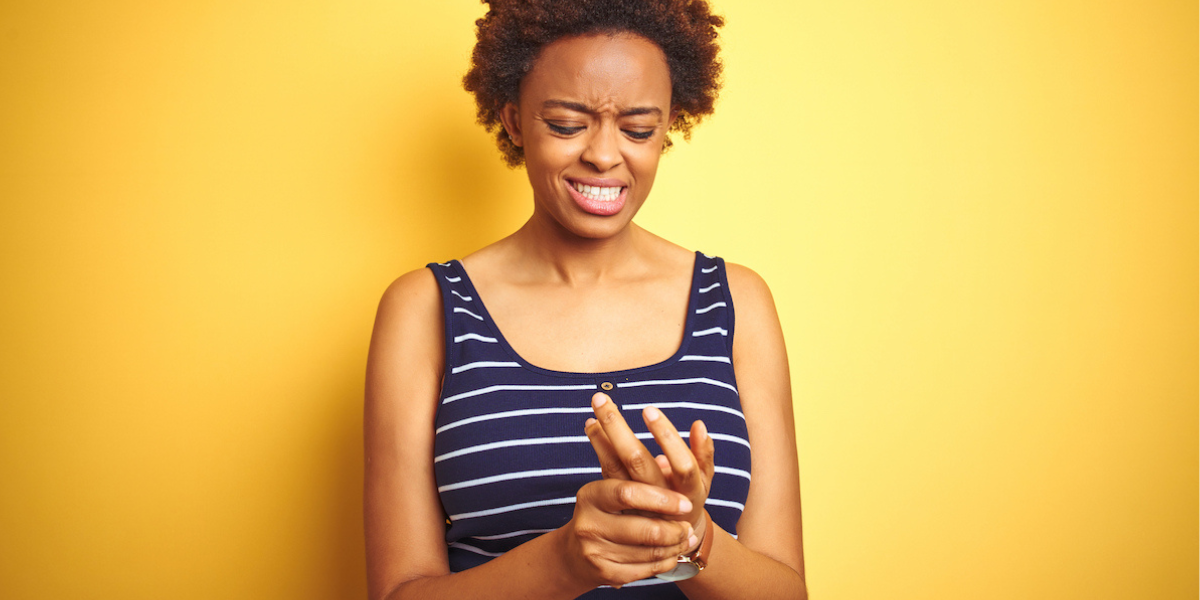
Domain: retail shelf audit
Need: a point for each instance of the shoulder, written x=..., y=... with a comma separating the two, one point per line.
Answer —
x=750, y=292
x=412, y=295
x=415, y=287
x=409, y=322
x=758, y=338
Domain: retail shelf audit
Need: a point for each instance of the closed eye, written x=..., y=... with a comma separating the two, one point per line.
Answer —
x=562, y=130
x=639, y=135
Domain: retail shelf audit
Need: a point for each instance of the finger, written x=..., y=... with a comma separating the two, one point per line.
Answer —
x=704, y=451
x=664, y=465
x=618, y=574
x=611, y=466
x=613, y=496
x=639, y=539
x=686, y=474
x=638, y=461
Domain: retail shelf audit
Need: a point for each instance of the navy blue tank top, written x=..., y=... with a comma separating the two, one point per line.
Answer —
x=509, y=450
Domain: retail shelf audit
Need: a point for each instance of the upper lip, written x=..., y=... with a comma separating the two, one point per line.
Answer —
x=594, y=182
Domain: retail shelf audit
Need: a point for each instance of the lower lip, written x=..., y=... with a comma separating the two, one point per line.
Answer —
x=603, y=208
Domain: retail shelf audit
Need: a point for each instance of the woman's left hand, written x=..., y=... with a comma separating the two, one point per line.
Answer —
x=684, y=469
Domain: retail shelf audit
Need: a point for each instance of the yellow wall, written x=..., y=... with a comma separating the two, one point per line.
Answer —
x=979, y=220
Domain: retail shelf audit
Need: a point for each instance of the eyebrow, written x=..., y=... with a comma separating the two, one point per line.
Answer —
x=577, y=107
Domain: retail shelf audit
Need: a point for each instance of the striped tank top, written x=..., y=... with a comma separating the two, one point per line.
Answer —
x=509, y=449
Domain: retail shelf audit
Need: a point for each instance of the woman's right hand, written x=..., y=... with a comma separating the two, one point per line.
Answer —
x=606, y=545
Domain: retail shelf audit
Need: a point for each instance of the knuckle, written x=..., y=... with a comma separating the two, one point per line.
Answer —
x=681, y=534
x=687, y=465
x=610, y=467
x=653, y=535
x=594, y=556
x=639, y=460
x=626, y=493
x=587, y=532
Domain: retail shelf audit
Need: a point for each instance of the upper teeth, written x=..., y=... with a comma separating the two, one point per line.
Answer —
x=598, y=193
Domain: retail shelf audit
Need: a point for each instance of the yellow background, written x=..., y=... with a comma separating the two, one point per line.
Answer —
x=979, y=220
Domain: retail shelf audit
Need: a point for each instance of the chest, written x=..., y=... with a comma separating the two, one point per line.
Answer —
x=591, y=329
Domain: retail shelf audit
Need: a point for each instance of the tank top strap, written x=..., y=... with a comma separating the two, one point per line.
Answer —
x=471, y=340
x=712, y=312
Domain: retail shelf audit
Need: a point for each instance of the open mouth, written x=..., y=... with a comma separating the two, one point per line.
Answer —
x=601, y=200
x=597, y=193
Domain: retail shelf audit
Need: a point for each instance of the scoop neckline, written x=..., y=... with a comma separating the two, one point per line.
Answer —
x=688, y=329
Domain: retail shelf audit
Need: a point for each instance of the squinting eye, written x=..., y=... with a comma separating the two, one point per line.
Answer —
x=559, y=129
x=639, y=135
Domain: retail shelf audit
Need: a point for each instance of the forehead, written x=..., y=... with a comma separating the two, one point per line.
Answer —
x=624, y=69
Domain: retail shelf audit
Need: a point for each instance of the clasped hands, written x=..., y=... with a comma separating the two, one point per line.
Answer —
x=647, y=510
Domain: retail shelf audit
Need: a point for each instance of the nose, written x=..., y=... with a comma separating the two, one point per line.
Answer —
x=603, y=151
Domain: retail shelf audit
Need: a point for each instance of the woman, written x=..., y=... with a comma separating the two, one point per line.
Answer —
x=506, y=445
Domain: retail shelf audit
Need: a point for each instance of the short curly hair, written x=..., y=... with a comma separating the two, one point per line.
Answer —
x=513, y=32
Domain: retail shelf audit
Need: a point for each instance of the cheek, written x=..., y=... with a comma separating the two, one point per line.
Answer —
x=551, y=156
x=645, y=161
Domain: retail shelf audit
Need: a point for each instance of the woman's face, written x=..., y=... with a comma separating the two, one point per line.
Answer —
x=592, y=116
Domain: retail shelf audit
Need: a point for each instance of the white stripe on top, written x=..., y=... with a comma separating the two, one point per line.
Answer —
x=511, y=534
x=731, y=471
x=512, y=507
x=459, y=309
x=687, y=435
x=726, y=503
x=474, y=549
x=454, y=279
x=722, y=359
x=678, y=382
x=565, y=439
x=710, y=332
x=512, y=413
x=709, y=269
x=464, y=298
x=520, y=475
x=473, y=336
x=701, y=311
x=695, y=405
x=728, y=438
x=710, y=288
x=514, y=388
x=481, y=364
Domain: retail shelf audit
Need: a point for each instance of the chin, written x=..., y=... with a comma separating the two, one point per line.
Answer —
x=609, y=227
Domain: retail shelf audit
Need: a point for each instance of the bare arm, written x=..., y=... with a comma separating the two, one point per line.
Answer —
x=767, y=558
x=406, y=552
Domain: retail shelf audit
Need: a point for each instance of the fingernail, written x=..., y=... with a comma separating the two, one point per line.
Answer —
x=685, y=505
x=692, y=541
x=652, y=414
x=590, y=422
x=691, y=531
x=598, y=400
x=703, y=429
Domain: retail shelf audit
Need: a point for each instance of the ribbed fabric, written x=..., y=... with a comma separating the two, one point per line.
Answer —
x=510, y=453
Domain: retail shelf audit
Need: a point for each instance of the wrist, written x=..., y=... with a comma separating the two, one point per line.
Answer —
x=564, y=551
x=695, y=560
x=699, y=530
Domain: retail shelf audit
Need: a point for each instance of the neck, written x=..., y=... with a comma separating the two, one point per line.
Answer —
x=553, y=252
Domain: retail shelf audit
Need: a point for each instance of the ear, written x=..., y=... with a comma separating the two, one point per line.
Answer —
x=510, y=118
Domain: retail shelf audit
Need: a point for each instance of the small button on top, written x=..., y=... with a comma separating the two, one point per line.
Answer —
x=606, y=386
